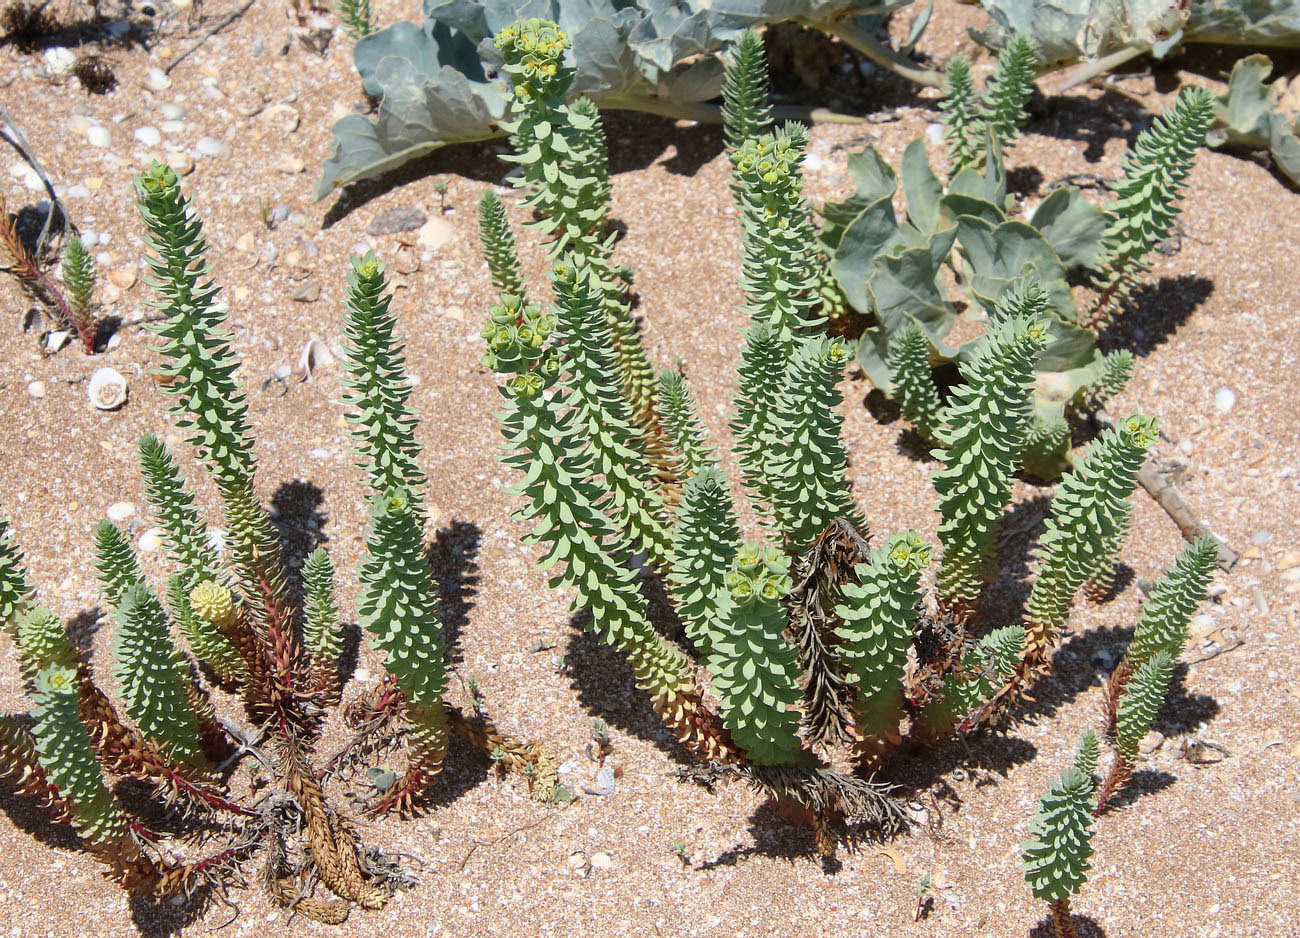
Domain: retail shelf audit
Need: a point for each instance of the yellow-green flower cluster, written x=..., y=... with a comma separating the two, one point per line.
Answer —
x=516, y=336
x=534, y=51
x=760, y=574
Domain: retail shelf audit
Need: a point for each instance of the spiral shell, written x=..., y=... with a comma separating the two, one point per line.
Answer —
x=108, y=388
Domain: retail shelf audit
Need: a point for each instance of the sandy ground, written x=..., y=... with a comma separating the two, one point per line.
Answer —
x=1204, y=851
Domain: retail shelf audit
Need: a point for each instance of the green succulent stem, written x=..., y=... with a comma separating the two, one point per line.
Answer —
x=499, y=246
x=982, y=435
x=1009, y=90
x=705, y=541
x=15, y=589
x=962, y=118
x=754, y=669
x=1146, y=204
x=981, y=672
x=687, y=440
x=1086, y=510
x=116, y=565
x=913, y=380
x=877, y=614
x=79, y=278
x=322, y=630
x=1056, y=860
x=808, y=466
x=377, y=388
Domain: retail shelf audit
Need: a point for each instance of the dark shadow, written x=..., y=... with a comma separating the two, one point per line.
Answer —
x=1024, y=180
x=1182, y=712
x=1082, y=661
x=1086, y=926
x=28, y=815
x=1093, y=122
x=778, y=835
x=32, y=26
x=986, y=757
x=81, y=630
x=1123, y=577
x=296, y=514
x=453, y=557
x=637, y=140
x=1007, y=593
x=606, y=688
x=660, y=609
x=1154, y=312
x=1142, y=783
x=30, y=221
x=883, y=410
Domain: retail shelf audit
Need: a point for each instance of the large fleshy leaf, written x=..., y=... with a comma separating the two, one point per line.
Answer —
x=1073, y=226
x=1241, y=115
x=427, y=104
x=999, y=255
x=921, y=187
x=873, y=180
x=863, y=240
x=653, y=55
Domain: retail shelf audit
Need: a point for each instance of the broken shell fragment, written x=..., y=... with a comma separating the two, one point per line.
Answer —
x=107, y=389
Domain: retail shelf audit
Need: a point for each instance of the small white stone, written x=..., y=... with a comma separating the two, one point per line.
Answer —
x=150, y=541
x=934, y=133
x=59, y=61
x=812, y=162
x=149, y=136
x=36, y=389
x=1225, y=399
x=172, y=111
x=99, y=137
x=120, y=511
x=172, y=127
x=434, y=234
x=601, y=861
x=158, y=80
x=210, y=146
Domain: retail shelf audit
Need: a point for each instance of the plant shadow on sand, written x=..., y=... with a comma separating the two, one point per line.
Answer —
x=1088, y=928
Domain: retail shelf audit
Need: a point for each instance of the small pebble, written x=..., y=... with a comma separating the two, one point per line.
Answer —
x=172, y=128
x=280, y=214
x=1261, y=538
x=150, y=541
x=99, y=137
x=123, y=279
x=934, y=133
x=36, y=389
x=182, y=163
x=395, y=220
x=1151, y=742
x=601, y=861
x=149, y=136
x=158, y=80
x=307, y=293
x=290, y=165
x=1225, y=399
x=118, y=512
x=172, y=111
x=210, y=146
x=59, y=60
x=435, y=233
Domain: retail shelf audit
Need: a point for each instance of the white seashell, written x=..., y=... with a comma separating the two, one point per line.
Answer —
x=315, y=354
x=107, y=389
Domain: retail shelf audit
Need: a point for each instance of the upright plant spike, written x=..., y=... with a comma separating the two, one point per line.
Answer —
x=545, y=443
x=808, y=467
x=79, y=277
x=207, y=403
x=988, y=666
x=499, y=246
x=378, y=390
x=358, y=17
x=1086, y=507
x=753, y=667
x=42, y=642
x=206, y=641
x=399, y=607
x=69, y=762
x=761, y=375
x=321, y=632
x=590, y=386
x=780, y=273
x=116, y=565
x=1117, y=369
x=878, y=612
x=188, y=542
x=1087, y=754
x=1046, y=438
x=1162, y=625
x=15, y=590
x=982, y=434
x=913, y=381
x=745, y=91
x=687, y=440
x=153, y=677
x=1056, y=860
x=1009, y=90
x=962, y=120
x=1099, y=585
x=705, y=540
x=1144, y=694
x=1146, y=204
